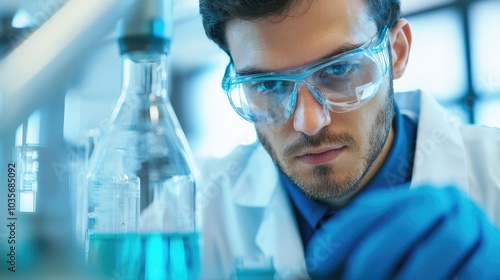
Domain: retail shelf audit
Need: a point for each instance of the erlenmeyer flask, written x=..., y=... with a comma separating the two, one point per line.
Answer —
x=142, y=177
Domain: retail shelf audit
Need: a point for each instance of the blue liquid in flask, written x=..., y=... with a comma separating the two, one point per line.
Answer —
x=145, y=256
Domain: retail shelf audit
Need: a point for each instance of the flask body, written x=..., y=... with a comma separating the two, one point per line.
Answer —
x=142, y=183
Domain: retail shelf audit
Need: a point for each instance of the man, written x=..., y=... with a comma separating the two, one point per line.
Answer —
x=335, y=185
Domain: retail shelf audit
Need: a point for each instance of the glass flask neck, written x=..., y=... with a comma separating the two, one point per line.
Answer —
x=145, y=74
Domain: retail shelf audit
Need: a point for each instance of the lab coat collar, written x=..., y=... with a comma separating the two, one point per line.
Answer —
x=439, y=153
x=258, y=180
x=278, y=234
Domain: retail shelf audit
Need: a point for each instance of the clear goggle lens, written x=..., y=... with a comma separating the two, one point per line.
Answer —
x=340, y=83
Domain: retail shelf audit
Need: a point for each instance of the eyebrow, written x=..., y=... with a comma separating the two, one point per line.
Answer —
x=252, y=70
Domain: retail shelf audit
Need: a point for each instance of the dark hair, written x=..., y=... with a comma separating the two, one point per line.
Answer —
x=216, y=13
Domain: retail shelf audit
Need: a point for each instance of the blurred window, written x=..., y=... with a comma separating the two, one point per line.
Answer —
x=485, y=44
x=413, y=6
x=437, y=57
x=222, y=129
x=488, y=112
x=485, y=47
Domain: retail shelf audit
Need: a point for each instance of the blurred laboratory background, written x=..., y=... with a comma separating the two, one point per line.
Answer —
x=455, y=56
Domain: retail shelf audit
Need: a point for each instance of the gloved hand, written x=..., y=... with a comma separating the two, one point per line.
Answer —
x=423, y=233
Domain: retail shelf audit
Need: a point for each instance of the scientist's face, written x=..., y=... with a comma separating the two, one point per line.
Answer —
x=328, y=155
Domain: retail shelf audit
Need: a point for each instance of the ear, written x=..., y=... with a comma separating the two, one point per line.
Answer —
x=400, y=36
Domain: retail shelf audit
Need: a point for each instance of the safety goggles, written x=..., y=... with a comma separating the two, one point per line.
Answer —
x=341, y=83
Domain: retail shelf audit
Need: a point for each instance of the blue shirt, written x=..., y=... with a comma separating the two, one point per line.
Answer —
x=395, y=171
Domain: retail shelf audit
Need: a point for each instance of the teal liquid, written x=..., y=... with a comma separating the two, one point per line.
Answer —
x=145, y=256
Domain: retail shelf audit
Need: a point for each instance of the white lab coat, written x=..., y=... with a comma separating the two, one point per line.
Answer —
x=247, y=213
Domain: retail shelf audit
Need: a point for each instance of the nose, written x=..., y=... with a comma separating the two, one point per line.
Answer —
x=310, y=115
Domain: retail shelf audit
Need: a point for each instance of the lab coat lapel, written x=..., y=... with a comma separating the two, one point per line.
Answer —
x=257, y=181
x=439, y=153
x=278, y=234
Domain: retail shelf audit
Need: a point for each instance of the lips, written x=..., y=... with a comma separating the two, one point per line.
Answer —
x=321, y=157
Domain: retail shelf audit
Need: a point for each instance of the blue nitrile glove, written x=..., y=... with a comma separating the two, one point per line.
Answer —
x=423, y=233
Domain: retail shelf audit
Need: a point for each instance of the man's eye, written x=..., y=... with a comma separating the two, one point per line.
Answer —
x=266, y=86
x=337, y=70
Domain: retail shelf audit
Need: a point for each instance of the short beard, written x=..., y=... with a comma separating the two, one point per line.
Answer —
x=323, y=186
